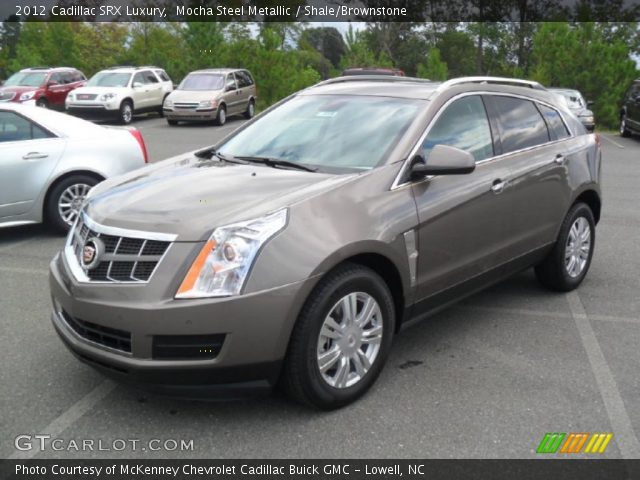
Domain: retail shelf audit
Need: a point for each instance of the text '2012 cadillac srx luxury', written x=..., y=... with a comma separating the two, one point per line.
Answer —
x=291, y=252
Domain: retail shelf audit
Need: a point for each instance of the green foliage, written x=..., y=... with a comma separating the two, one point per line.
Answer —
x=584, y=57
x=436, y=69
x=359, y=54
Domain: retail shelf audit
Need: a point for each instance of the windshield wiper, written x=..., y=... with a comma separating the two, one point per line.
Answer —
x=211, y=152
x=275, y=162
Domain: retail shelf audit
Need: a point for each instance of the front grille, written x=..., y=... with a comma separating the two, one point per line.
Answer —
x=124, y=259
x=108, y=337
x=187, y=347
x=6, y=96
x=185, y=106
x=86, y=96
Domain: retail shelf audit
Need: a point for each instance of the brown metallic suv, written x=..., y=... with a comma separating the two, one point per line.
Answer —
x=212, y=95
x=297, y=247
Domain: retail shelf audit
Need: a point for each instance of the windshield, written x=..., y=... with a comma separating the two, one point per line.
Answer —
x=25, y=79
x=332, y=132
x=109, y=79
x=202, y=81
x=574, y=99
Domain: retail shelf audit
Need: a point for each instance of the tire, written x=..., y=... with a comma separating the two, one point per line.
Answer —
x=556, y=271
x=161, y=110
x=173, y=123
x=62, y=191
x=624, y=129
x=125, y=114
x=221, y=117
x=302, y=378
x=251, y=109
x=42, y=103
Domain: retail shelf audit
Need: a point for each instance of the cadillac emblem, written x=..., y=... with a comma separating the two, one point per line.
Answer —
x=91, y=253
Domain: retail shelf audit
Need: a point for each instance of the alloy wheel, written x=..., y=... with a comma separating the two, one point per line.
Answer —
x=578, y=247
x=349, y=340
x=70, y=202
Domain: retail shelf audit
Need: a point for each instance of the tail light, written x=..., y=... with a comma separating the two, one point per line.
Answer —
x=138, y=136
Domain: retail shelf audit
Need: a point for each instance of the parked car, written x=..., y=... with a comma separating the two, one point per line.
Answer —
x=577, y=104
x=299, y=245
x=42, y=86
x=120, y=93
x=212, y=95
x=372, y=71
x=630, y=111
x=49, y=162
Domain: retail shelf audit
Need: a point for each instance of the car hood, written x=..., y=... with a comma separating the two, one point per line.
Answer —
x=99, y=90
x=190, y=196
x=194, y=95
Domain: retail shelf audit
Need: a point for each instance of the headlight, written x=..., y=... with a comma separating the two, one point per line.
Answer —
x=27, y=96
x=168, y=103
x=587, y=119
x=207, y=104
x=105, y=97
x=70, y=98
x=222, y=266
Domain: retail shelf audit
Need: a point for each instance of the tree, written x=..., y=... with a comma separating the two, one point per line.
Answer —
x=436, y=69
x=325, y=40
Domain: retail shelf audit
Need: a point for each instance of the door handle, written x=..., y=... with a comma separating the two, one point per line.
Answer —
x=560, y=159
x=498, y=186
x=34, y=155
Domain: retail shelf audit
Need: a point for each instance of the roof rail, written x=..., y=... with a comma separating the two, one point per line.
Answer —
x=38, y=68
x=116, y=67
x=373, y=78
x=496, y=80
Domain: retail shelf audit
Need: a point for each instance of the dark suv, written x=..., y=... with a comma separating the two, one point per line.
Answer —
x=630, y=111
x=297, y=247
x=42, y=86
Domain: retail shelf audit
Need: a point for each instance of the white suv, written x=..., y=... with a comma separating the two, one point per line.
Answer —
x=121, y=92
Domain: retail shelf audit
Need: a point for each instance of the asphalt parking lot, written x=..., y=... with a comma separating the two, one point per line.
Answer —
x=485, y=379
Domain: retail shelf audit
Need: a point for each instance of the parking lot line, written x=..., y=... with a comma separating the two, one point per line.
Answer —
x=612, y=141
x=624, y=435
x=69, y=417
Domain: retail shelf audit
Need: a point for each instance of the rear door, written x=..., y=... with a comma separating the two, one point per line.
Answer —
x=536, y=144
x=461, y=217
x=232, y=95
x=244, y=89
x=28, y=155
x=633, y=107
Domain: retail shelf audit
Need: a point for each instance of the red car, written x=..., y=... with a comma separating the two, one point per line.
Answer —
x=42, y=86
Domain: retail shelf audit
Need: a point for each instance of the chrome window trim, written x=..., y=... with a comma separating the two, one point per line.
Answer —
x=396, y=182
x=77, y=270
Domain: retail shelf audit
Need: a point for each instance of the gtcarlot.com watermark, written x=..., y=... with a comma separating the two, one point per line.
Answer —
x=44, y=442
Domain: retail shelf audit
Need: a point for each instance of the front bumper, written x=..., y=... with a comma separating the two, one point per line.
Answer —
x=256, y=328
x=92, y=111
x=191, y=114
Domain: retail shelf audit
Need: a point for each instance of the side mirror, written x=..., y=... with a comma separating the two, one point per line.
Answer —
x=137, y=84
x=589, y=103
x=443, y=160
x=230, y=88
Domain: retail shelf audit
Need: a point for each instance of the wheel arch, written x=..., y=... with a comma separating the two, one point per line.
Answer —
x=130, y=100
x=62, y=177
x=592, y=199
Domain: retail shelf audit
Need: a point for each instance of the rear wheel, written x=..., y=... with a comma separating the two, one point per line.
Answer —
x=251, y=109
x=221, y=117
x=567, y=264
x=66, y=199
x=126, y=112
x=341, y=339
x=624, y=129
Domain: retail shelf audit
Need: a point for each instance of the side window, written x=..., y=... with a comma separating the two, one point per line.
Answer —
x=521, y=125
x=163, y=75
x=557, y=128
x=67, y=77
x=150, y=77
x=243, y=78
x=138, y=78
x=14, y=128
x=231, y=82
x=57, y=77
x=464, y=125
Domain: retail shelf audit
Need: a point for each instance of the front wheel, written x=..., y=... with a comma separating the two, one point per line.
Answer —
x=66, y=199
x=567, y=264
x=221, y=117
x=42, y=103
x=126, y=113
x=341, y=339
x=624, y=129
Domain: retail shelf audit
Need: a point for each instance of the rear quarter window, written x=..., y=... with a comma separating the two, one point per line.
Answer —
x=557, y=128
x=520, y=123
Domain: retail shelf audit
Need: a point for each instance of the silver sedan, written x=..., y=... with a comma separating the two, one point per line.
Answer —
x=49, y=161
